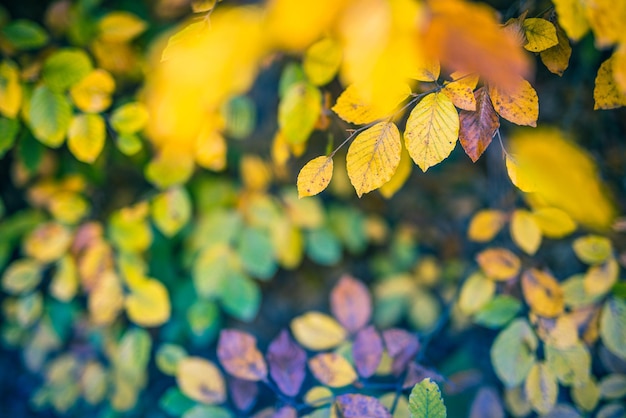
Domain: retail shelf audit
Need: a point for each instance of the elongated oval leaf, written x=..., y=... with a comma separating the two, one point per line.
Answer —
x=286, y=363
x=317, y=331
x=315, y=176
x=239, y=355
x=50, y=115
x=513, y=352
x=86, y=137
x=298, y=111
x=358, y=406
x=478, y=127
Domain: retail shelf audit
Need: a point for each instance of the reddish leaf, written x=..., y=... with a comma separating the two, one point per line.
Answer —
x=243, y=393
x=85, y=235
x=285, y=412
x=478, y=127
x=238, y=354
x=287, y=361
x=351, y=303
x=416, y=373
x=360, y=406
x=487, y=404
x=367, y=351
x=402, y=346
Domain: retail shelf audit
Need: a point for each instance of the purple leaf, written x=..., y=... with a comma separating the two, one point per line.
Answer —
x=287, y=361
x=243, y=393
x=416, y=373
x=238, y=354
x=351, y=303
x=367, y=351
x=402, y=347
x=361, y=406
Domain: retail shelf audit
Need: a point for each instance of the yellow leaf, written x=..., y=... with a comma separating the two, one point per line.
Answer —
x=200, y=380
x=317, y=331
x=402, y=174
x=563, y=334
x=255, y=173
x=600, y=278
x=288, y=243
x=593, y=249
x=432, y=130
x=553, y=222
x=477, y=290
x=92, y=94
x=606, y=18
x=485, y=225
x=64, y=284
x=148, y=304
x=298, y=112
x=428, y=70
x=519, y=176
x=570, y=365
x=353, y=107
x=171, y=210
x=10, y=89
x=461, y=92
x=586, y=394
x=86, y=137
x=21, y=276
x=315, y=176
x=525, y=232
x=543, y=293
x=105, y=299
x=202, y=6
x=211, y=150
x=619, y=67
x=321, y=61
x=499, y=264
x=540, y=34
x=373, y=157
x=332, y=370
x=68, y=207
x=120, y=26
x=170, y=167
x=519, y=105
x=547, y=161
x=556, y=59
x=129, y=118
x=541, y=388
x=129, y=230
x=48, y=242
x=606, y=94
x=572, y=18
x=318, y=396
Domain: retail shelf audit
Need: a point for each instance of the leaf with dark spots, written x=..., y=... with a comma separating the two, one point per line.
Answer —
x=367, y=351
x=243, y=393
x=402, y=347
x=361, y=406
x=351, y=303
x=238, y=354
x=287, y=362
x=477, y=128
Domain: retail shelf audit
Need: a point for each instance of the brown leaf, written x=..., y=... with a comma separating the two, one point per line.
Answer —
x=477, y=128
x=367, y=351
x=287, y=363
x=351, y=303
x=416, y=373
x=487, y=404
x=243, y=393
x=361, y=406
x=402, y=347
x=238, y=354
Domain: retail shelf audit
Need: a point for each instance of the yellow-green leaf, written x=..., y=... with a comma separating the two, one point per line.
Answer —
x=65, y=67
x=120, y=26
x=171, y=210
x=64, y=283
x=50, y=115
x=48, y=242
x=477, y=291
x=373, y=157
x=10, y=89
x=601, y=278
x=525, y=232
x=519, y=105
x=21, y=276
x=317, y=331
x=593, y=249
x=613, y=326
x=332, y=370
x=148, y=304
x=298, y=112
x=129, y=118
x=86, y=137
x=513, y=352
x=485, y=225
x=315, y=176
x=321, y=61
x=92, y=93
x=571, y=365
x=201, y=380
x=586, y=394
x=540, y=33
x=432, y=130
x=541, y=388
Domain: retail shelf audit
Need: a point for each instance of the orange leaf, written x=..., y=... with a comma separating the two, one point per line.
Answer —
x=238, y=354
x=351, y=303
x=498, y=263
x=543, y=293
x=478, y=128
x=332, y=370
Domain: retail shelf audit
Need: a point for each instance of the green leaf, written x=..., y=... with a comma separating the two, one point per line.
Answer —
x=175, y=403
x=241, y=297
x=30, y=151
x=240, y=115
x=513, y=352
x=323, y=247
x=21, y=276
x=65, y=67
x=613, y=326
x=50, y=116
x=257, y=253
x=212, y=268
x=207, y=411
x=129, y=118
x=498, y=312
x=298, y=112
x=203, y=318
x=168, y=356
x=425, y=401
x=8, y=133
x=292, y=74
x=571, y=365
x=23, y=34
x=129, y=144
x=171, y=210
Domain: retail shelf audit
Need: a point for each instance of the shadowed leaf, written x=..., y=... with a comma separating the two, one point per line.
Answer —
x=477, y=128
x=238, y=354
x=367, y=351
x=402, y=347
x=287, y=363
x=359, y=406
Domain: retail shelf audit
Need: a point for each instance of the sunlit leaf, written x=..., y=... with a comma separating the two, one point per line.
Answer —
x=553, y=222
x=201, y=380
x=321, y=61
x=513, y=352
x=476, y=291
x=148, y=303
x=298, y=112
x=317, y=331
x=120, y=26
x=461, y=92
x=606, y=93
x=10, y=89
x=50, y=115
x=499, y=263
x=48, y=242
x=425, y=401
x=93, y=92
x=605, y=19
x=106, y=299
x=518, y=104
x=353, y=107
x=171, y=210
x=572, y=18
x=540, y=34
x=239, y=355
x=332, y=370
x=315, y=176
x=592, y=249
x=86, y=136
x=485, y=225
x=543, y=293
x=432, y=130
x=541, y=388
x=525, y=232
x=129, y=118
x=600, y=278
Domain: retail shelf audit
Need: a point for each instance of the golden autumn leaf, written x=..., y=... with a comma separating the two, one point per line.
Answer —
x=477, y=290
x=478, y=127
x=353, y=107
x=519, y=104
x=606, y=19
x=461, y=92
x=321, y=61
x=553, y=222
x=606, y=93
x=201, y=380
x=332, y=370
x=106, y=298
x=619, y=67
x=599, y=279
x=148, y=304
x=592, y=249
x=402, y=174
x=525, y=232
x=86, y=137
x=543, y=293
x=556, y=58
x=210, y=150
x=572, y=18
x=92, y=94
x=485, y=225
x=540, y=34
x=317, y=331
x=315, y=176
x=432, y=130
x=10, y=89
x=541, y=388
x=428, y=70
x=499, y=264
x=120, y=26
x=48, y=242
x=373, y=157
